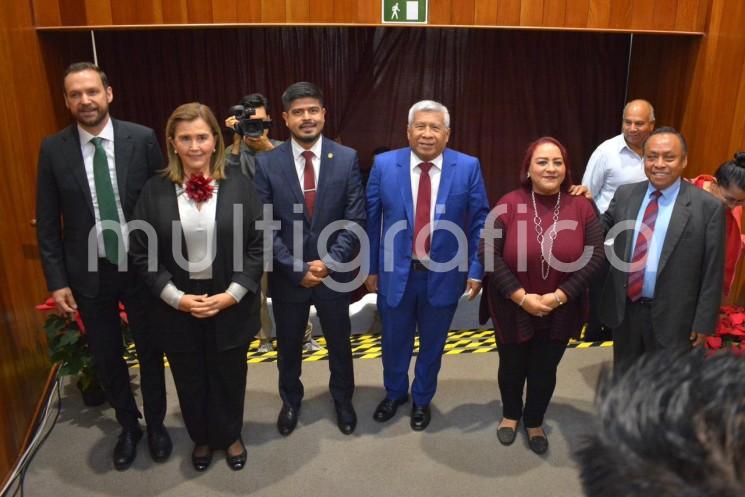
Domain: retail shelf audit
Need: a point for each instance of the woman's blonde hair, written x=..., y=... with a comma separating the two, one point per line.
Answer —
x=187, y=113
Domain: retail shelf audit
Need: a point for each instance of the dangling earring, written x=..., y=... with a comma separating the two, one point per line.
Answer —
x=528, y=175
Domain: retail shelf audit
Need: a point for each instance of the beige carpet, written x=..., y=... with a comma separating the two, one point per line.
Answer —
x=458, y=455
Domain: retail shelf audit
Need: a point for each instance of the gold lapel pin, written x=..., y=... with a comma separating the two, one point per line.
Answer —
x=330, y=155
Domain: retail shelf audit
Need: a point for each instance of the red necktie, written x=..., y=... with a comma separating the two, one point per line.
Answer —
x=636, y=278
x=309, y=183
x=421, y=215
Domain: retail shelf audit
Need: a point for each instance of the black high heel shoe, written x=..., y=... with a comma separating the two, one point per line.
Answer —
x=201, y=463
x=236, y=462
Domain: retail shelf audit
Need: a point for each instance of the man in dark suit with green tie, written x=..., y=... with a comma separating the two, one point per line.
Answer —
x=89, y=178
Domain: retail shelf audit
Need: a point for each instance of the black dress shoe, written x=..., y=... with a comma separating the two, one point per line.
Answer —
x=538, y=443
x=238, y=461
x=387, y=409
x=287, y=419
x=201, y=463
x=159, y=443
x=420, y=417
x=125, y=450
x=346, y=418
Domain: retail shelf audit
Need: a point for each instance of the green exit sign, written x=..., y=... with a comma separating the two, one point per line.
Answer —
x=405, y=11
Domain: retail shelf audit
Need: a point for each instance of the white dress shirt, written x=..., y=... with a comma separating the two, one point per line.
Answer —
x=611, y=165
x=88, y=149
x=198, y=226
x=297, y=154
x=435, y=172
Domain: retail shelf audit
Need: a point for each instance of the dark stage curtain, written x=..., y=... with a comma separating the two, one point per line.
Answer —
x=504, y=88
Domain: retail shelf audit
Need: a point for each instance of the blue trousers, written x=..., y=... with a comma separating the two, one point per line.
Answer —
x=399, y=326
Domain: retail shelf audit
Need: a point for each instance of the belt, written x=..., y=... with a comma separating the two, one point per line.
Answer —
x=643, y=301
x=417, y=265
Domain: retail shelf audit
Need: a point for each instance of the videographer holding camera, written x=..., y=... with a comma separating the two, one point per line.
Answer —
x=250, y=123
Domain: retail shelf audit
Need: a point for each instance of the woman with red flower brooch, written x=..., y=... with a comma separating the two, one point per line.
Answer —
x=201, y=255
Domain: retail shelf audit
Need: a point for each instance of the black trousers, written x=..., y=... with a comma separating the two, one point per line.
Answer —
x=291, y=319
x=534, y=362
x=636, y=336
x=210, y=383
x=596, y=330
x=100, y=315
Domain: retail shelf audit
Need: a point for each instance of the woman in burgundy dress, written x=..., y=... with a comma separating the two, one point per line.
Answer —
x=538, y=268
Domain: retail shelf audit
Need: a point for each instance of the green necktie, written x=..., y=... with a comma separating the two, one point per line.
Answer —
x=106, y=200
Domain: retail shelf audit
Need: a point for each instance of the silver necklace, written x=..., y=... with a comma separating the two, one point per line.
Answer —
x=551, y=234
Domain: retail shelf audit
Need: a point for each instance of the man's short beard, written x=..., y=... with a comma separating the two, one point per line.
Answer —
x=306, y=139
x=101, y=117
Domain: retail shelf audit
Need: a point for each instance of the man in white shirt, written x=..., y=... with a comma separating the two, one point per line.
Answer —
x=617, y=161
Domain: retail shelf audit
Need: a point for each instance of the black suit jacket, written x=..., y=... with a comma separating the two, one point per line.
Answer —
x=689, y=279
x=64, y=208
x=339, y=197
x=158, y=206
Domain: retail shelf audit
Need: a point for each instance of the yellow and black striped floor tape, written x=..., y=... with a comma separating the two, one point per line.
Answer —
x=367, y=346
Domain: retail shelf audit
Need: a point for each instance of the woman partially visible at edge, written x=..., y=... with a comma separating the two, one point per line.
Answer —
x=205, y=284
x=536, y=307
x=728, y=184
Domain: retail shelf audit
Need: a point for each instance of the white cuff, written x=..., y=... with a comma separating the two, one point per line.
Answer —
x=237, y=291
x=171, y=295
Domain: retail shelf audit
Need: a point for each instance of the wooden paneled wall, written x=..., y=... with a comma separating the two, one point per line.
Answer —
x=714, y=116
x=655, y=15
x=27, y=115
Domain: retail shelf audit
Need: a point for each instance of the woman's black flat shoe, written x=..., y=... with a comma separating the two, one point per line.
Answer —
x=506, y=435
x=237, y=463
x=201, y=463
x=538, y=443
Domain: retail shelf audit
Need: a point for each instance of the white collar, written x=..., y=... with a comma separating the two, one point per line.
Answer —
x=297, y=149
x=414, y=161
x=107, y=133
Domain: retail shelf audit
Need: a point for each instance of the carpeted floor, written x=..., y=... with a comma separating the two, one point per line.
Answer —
x=458, y=455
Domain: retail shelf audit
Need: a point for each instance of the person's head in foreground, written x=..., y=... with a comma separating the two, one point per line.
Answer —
x=672, y=425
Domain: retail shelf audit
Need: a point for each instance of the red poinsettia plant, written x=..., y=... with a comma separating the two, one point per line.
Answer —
x=67, y=344
x=730, y=331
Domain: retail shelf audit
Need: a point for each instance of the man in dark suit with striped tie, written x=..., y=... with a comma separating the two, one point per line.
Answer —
x=89, y=178
x=311, y=182
x=665, y=242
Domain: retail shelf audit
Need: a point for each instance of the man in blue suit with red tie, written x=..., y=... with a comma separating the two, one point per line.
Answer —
x=426, y=206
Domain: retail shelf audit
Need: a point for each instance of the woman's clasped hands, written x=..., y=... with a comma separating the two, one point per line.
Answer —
x=204, y=306
x=539, y=305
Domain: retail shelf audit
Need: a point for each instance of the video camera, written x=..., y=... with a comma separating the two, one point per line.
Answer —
x=247, y=126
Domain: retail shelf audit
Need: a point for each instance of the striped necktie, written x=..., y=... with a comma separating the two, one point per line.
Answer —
x=636, y=278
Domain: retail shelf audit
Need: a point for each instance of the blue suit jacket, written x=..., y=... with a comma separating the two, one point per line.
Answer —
x=390, y=216
x=339, y=197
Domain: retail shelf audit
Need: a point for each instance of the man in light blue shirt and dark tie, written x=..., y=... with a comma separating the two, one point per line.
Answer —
x=665, y=244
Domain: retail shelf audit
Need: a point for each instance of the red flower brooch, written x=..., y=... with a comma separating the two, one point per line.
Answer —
x=198, y=188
